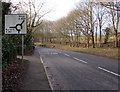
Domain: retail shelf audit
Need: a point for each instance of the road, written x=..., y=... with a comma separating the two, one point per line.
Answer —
x=67, y=70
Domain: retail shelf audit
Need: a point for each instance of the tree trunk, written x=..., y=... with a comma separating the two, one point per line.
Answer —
x=100, y=37
x=96, y=37
x=116, y=39
x=93, y=43
x=88, y=42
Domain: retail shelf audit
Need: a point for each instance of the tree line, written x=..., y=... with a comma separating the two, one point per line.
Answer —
x=89, y=23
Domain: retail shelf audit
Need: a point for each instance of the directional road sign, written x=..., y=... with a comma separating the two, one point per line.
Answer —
x=15, y=24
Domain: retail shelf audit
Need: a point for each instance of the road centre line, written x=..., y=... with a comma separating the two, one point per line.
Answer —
x=79, y=60
x=76, y=58
x=108, y=71
x=54, y=53
x=66, y=54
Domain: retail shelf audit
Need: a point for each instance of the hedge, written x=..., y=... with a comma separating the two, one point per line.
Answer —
x=8, y=51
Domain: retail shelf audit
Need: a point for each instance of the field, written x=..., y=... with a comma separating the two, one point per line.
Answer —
x=105, y=52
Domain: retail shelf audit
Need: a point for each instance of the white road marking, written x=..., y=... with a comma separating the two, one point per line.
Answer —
x=76, y=58
x=66, y=55
x=41, y=60
x=109, y=71
x=46, y=73
x=53, y=53
x=79, y=60
x=83, y=61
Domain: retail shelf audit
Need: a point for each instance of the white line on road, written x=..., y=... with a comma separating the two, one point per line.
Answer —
x=76, y=58
x=66, y=55
x=79, y=60
x=54, y=53
x=46, y=74
x=109, y=71
x=41, y=60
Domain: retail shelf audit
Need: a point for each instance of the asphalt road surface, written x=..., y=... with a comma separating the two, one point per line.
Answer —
x=67, y=70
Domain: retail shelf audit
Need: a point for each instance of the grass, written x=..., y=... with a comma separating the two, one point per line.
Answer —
x=105, y=52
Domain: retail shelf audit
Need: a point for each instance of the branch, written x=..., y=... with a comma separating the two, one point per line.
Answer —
x=110, y=6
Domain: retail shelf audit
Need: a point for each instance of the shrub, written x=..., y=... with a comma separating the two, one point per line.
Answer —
x=8, y=51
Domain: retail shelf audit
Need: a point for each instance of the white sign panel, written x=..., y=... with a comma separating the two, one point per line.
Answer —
x=15, y=24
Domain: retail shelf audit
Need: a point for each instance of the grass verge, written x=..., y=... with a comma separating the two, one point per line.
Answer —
x=105, y=52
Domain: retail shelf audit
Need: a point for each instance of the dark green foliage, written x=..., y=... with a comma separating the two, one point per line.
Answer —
x=29, y=44
x=107, y=32
x=28, y=37
x=12, y=44
x=17, y=41
x=8, y=51
x=8, y=48
x=5, y=10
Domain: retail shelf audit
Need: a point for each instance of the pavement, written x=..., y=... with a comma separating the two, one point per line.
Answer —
x=67, y=70
x=35, y=77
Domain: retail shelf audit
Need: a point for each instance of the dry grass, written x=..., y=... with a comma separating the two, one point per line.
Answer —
x=106, y=52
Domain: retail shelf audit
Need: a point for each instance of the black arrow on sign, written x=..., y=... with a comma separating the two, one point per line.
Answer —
x=18, y=27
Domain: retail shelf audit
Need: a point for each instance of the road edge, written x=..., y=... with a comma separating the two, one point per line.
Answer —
x=50, y=84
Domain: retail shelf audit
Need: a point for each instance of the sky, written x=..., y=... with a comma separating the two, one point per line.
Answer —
x=59, y=8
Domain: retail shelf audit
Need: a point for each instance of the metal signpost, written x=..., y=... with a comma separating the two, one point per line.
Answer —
x=16, y=24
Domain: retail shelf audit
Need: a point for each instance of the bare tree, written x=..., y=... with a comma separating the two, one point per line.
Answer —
x=34, y=12
x=114, y=11
x=102, y=17
x=88, y=11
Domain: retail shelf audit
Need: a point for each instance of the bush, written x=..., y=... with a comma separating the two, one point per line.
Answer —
x=43, y=45
x=29, y=49
x=8, y=51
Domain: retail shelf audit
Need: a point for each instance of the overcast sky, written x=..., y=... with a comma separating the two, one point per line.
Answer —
x=60, y=8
